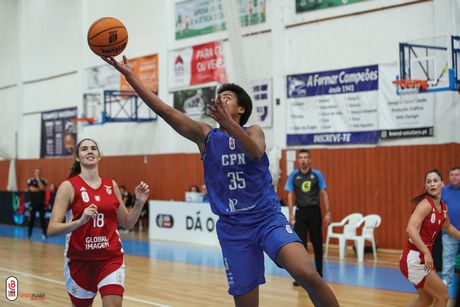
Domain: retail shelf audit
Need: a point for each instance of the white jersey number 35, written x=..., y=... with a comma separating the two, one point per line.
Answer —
x=236, y=180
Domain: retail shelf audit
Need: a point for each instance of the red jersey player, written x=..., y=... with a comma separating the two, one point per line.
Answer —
x=93, y=208
x=425, y=223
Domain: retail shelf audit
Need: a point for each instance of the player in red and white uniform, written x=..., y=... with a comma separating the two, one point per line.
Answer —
x=93, y=209
x=425, y=223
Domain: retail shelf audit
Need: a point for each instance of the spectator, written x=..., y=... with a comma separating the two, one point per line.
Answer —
x=126, y=197
x=451, y=196
x=204, y=193
x=143, y=222
x=129, y=203
x=193, y=195
x=50, y=194
x=36, y=186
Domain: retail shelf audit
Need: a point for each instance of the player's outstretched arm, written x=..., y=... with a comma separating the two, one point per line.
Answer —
x=64, y=197
x=128, y=219
x=184, y=125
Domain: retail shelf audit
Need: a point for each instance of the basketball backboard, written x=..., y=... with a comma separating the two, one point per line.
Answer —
x=430, y=59
x=115, y=106
x=125, y=106
x=455, y=43
x=93, y=107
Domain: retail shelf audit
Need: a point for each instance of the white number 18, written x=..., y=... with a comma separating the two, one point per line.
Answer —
x=99, y=220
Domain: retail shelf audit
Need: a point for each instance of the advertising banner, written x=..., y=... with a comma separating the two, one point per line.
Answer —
x=105, y=77
x=182, y=222
x=262, y=102
x=198, y=17
x=185, y=222
x=253, y=12
x=333, y=107
x=193, y=102
x=311, y=5
x=146, y=70
x=58, y=133
x=15, y=209
x=196, y=65
x=102, y=77
x=403, y=116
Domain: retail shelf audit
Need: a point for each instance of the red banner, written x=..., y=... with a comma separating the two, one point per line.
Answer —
x=208, y=64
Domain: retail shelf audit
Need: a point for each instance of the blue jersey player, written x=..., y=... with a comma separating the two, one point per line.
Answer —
x=240, y=192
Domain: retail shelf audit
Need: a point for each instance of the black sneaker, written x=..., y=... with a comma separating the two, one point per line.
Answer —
x=295, y=284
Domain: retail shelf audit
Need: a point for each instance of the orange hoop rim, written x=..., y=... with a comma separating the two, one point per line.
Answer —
x=409, y=83
x=89, y=120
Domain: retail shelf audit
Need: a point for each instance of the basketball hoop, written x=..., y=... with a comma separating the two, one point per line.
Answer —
x=89, y=120
x=421, y=85
x=408, y=89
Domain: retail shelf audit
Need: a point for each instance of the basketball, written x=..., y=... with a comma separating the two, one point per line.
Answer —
x=107, y=36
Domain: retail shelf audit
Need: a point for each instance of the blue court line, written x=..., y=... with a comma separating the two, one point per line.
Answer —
x=341, y=273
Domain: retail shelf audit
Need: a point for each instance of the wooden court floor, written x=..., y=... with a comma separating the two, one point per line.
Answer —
x=152, y=282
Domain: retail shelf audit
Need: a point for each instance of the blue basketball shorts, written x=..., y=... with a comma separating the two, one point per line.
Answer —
x=243, y=247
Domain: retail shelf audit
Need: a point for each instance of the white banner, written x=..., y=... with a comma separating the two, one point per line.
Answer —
x=181, y=62
x=406, y=115
x=102, y=77
x=346, y=112
x=184, y=222
x=333, y=107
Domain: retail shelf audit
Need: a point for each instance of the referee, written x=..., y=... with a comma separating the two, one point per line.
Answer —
x=305, y=185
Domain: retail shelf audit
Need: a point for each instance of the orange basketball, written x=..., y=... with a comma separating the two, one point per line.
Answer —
x=107, y=36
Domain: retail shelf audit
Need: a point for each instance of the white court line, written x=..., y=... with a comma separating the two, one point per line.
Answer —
x=62, y=283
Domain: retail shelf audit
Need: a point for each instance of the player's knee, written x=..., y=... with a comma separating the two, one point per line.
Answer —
x=426, y=300
x=442, y=296
x=112, y=301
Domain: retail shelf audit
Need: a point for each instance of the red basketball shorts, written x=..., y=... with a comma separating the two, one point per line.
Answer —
x=85, y=278
x=413, y=268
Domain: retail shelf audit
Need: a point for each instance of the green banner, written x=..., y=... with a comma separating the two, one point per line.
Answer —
x=198, y=17
x=311, y=5
x=253, y=12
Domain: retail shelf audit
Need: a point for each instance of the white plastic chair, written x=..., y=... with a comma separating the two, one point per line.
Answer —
x=370, y=222
x=349, y=224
